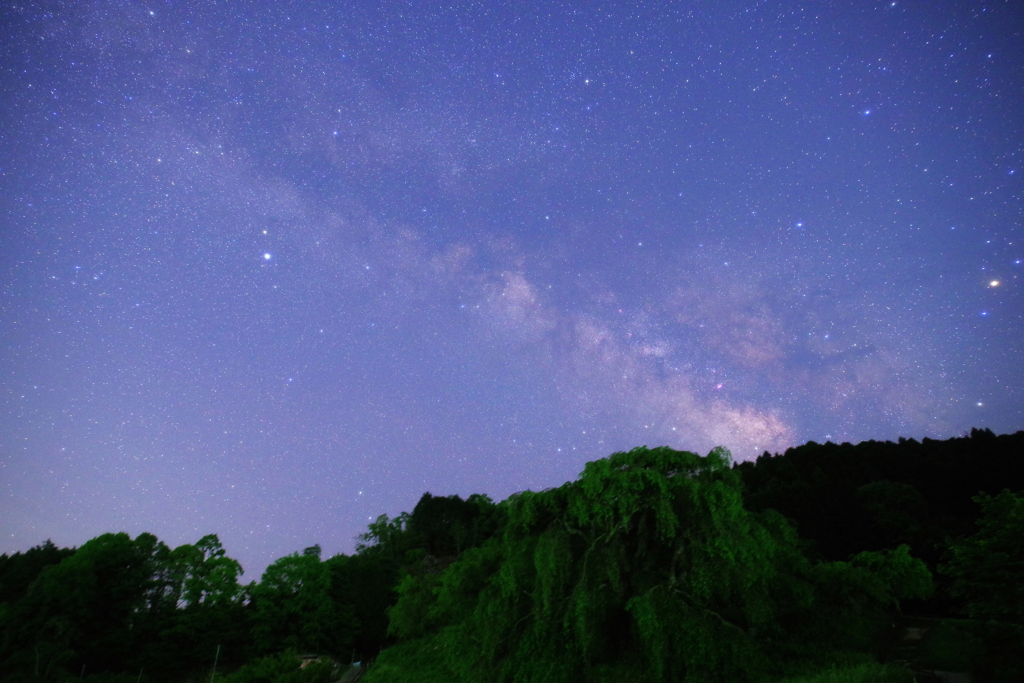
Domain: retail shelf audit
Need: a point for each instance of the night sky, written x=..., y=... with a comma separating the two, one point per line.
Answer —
x=269, y=270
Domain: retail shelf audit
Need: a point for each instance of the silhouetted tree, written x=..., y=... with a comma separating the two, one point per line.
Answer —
x=294, y=608
x=18, y=571
x=988, y=567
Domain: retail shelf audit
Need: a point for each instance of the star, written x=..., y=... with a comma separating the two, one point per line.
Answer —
x=419, y=284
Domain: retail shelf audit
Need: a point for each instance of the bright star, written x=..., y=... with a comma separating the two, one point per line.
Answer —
x=266, y=256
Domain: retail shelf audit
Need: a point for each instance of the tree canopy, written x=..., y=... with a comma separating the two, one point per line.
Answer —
x=649, y=562
x=987, y=567
x=654, y=564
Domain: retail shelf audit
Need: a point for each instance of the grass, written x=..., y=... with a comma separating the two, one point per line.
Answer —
x=869, y=672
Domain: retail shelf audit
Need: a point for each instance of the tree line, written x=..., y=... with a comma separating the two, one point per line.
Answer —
x=653, y=565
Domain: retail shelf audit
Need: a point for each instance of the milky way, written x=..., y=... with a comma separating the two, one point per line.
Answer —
x=270, y=270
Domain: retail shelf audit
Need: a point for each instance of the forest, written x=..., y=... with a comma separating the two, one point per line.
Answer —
x=878, y=561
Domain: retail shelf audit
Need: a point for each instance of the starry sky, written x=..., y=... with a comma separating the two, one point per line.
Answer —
x=271, y=269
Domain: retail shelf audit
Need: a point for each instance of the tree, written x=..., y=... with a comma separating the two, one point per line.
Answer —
x=119, y=604
x=203, y=604
x=386, y=538
x=205, y=574
x=446, y=526
x=18, y=571
x=898, y=510
x=365, y=582
x=647, y=567
x=987, y=567
x=294, y=608
x=648, y=557
x=89, y=609
x=896, y=574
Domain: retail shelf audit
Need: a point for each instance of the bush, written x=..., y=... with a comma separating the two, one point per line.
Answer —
x=284, y=667
x=418, y=661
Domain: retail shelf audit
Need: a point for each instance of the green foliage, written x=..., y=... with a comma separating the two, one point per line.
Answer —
x=118, y=605
x=461, y=584
x=411, y=615
x=898, y=575
x=846, y=498
x=898, y=510
x=418, y=661
x=950, y=645
x=649, y=567
x=203, y=574
x=989, y=650
x=405, y=556
x=868, y=672
x=87, y=608
x=988, y=567
x=294, y=607
x=649, y=554
x=851, y=609
x=447, y=526
x=366, y=583
x=110, y=677
x=386, y=538
x=284, y=667
x=18, y=571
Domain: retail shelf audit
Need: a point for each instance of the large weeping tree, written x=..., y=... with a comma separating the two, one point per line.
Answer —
x=647, y=562
x=647, y=567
